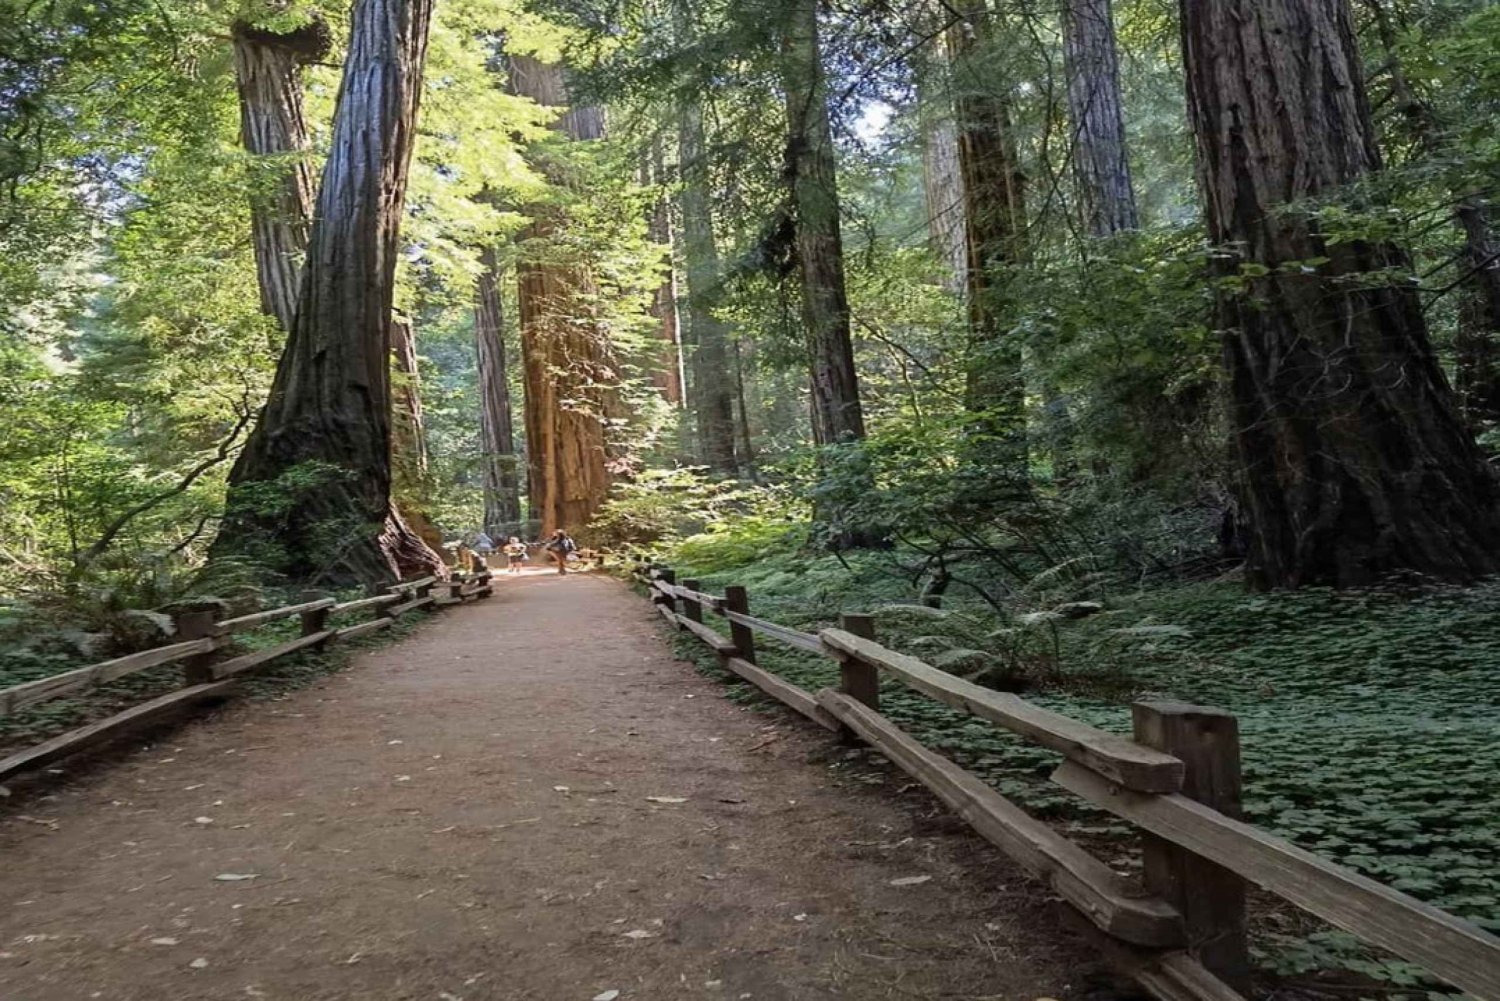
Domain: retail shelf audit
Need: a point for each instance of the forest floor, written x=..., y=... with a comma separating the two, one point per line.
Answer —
x=527, y=799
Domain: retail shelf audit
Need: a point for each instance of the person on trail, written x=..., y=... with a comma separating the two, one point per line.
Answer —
x=559, y=547
x=483, y=544
x=515, y=552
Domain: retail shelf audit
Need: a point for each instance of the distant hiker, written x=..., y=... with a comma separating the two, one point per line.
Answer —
x=463, y=557
x=559, y=547
x=483, y=544
x=515, y=552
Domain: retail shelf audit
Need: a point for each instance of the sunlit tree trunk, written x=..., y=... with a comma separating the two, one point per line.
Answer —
x=311, y=493
x=566, y=356
x=497, y=437
x=1353, y=459
x=273, y=128
x=942, y=181
x=409, y=455
x=1092, y=65
x=994, y=233
x=836, y=412
x=666, y=371
x=713, y=387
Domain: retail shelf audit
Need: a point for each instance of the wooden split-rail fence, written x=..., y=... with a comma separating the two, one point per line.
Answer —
x=1180, y=931
x=201, y=638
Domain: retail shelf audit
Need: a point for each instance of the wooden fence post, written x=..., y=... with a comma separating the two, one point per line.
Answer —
x=691, y=607
x=668, y=576
x=316, y=620
x=858, y=679
x=1210, y=898
x=196, y=622
x=737, y=599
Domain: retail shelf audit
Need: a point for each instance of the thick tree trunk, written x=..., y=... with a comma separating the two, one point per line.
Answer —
x=713, y=393
x=812, y=176
x=497, y=436
x=666, y=373
x=942, y=180
x=994, y=232
x=310, y=494
x=1353, y=458
x=1478, y=344
x=1092, y=66
x=567, y=359
x=268, y=74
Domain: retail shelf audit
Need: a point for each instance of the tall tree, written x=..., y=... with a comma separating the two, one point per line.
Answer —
x=994, y=216
x=942, y=181
x=268, y=74
x=566, y=355
x=311, y=490
x=713, y=386
x=1092, y=66
x=497, y=436
x=1353, y=459
x=1478, y=343
x=666, y=374
x=811, y=170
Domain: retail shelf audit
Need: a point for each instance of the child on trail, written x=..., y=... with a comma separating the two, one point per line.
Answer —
x=515, y=552
x=558, y=547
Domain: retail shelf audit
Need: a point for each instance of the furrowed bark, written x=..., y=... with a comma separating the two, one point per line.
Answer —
x=666, y=373
x=310, y=493
x=713, y=399
x=497, y=437
x=1092, y=65
x=1353, y=459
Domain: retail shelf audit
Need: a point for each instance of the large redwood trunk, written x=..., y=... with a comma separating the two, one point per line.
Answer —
x=713, y=391
x=1092, y=65
x=567, y=358
x=268, y=75
x=812, y=175
x=666, y=372
x=994, y=233
x=942, y=180
x=1353, y=458
x=310, y=493
x=497, y=437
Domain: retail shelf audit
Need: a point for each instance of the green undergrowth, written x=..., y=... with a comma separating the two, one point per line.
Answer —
x=1368, y=719
x=52, y=653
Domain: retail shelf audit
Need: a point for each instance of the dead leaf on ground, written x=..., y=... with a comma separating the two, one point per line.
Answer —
x=666, y=799
x=910, y=880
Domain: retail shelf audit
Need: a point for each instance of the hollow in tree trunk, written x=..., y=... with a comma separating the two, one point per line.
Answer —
x=497, y=437
x=310, y=493
x=1353, y=460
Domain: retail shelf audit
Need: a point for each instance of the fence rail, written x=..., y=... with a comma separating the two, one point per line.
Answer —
x=201, y=636
x=1182, y=934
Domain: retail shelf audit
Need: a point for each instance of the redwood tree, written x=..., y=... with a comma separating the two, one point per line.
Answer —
x=1353, y=460
x=310, y=493
x=268, y=75
x=1092, y=65
x=713, y=387
x=497, y=437
x=812, y=176
x=569, y=365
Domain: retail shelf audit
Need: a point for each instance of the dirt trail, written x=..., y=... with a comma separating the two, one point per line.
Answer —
x=467, y=814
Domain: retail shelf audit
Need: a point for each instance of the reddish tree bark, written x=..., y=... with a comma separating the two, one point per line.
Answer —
x=310, y=494
x=497, y=436
x=1353, y=460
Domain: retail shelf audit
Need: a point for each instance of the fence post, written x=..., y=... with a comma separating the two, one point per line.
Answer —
x=691, y=607
x=1210, y=898
x=737, y=599
x=857, y=679
x=196, y=622
x=316, y=620
x=668, y=576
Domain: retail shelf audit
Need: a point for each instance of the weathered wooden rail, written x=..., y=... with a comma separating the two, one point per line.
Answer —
x=201, y=636
x=1180, y=932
